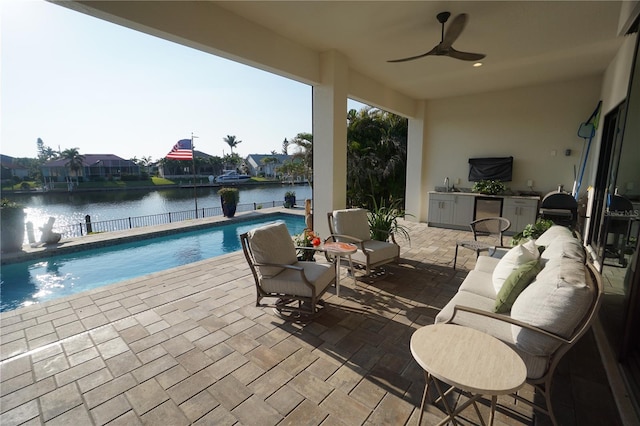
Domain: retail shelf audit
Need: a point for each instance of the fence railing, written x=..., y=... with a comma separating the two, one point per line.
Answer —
x=88, y=226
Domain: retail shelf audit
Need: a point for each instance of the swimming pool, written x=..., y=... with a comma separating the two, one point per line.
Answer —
x=26, y=283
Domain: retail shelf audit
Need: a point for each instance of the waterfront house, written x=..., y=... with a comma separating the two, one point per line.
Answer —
x=548, y=65
x=12, y=171
x=94, y=167
x=206, y=165
x=266, y=164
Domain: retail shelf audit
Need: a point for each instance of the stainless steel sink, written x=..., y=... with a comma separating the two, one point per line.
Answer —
x=444, y=189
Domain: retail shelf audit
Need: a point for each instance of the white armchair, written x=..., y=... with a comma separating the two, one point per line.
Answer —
x=352, y=226
x=297, y=286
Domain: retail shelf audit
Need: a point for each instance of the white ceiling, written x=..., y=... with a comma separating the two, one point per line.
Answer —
x=526, y=42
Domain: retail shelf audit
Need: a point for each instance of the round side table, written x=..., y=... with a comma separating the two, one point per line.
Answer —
x=469, y=360
x=339, y=249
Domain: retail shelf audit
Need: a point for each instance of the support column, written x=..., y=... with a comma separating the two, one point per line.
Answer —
x=329, y=139
x=416, y=199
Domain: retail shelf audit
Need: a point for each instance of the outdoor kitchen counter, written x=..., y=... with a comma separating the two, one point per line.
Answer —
x=455, y=210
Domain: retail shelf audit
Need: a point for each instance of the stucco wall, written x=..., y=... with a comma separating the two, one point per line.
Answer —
x=534, y=124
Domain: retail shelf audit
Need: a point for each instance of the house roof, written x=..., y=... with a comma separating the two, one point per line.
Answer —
x=7, y=162
x=89, y=160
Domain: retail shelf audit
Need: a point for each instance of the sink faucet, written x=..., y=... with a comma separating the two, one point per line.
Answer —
x=446, y=183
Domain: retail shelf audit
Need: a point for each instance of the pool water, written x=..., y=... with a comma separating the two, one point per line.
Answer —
x=26, y=283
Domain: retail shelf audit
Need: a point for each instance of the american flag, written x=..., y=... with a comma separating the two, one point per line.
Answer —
x=182, y=150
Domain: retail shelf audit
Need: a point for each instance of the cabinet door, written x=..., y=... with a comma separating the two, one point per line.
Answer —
x=520, y=212
x=463, y=210
x=441, y=209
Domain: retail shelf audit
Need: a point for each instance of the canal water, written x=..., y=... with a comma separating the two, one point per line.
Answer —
x=71, y=208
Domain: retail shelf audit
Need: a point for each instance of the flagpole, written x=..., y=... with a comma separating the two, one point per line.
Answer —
x=195, y=188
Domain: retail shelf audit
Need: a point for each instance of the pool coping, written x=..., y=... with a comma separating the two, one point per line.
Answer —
x=103, y=239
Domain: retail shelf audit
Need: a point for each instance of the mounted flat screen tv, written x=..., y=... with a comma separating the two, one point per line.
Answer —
x=492, y=168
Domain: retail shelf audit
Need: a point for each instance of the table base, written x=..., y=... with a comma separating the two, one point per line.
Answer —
x=455, y=410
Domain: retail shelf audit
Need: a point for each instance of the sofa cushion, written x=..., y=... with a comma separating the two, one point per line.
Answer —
x=511, y=261
x=496, y=328
x=562, y=246
x=486, y=264
x=515, y=284
x=536, y=364
x=352, y=222
x=555, y=301
x=552, y=233
x=479, y=282
x=272, y=243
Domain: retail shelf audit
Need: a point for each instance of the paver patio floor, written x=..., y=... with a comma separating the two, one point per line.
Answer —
x=189, y=346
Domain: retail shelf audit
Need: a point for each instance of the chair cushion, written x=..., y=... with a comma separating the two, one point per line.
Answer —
x=378, y=251
x=512, y=260
x=272, y=243
x=515, y=284
x=321, y=275
x=352, y=222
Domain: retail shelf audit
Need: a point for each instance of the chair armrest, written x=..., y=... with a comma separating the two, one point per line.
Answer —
x=281, y=265
x=507, y=319
x=343, y=236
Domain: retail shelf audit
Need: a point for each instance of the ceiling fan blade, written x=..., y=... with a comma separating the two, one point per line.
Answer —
x=454, y=30
x=465, y=56
x=411, y=58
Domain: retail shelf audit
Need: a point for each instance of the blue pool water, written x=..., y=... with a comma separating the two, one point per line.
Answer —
x=25, y=283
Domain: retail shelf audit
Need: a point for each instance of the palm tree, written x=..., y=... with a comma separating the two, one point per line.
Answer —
x=231, y=141
x=304, y=141
x=376, y=156
x=146, y=162
x=74, y=160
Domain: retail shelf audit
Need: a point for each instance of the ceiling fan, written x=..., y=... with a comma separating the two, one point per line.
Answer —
x=444, y=48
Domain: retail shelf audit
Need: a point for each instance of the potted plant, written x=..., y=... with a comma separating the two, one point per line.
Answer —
x=289, y=199
x=307, y=238
x=532, y=231
x=229, y=198
x=11, y=226
x=383, y=220
x=489, y=187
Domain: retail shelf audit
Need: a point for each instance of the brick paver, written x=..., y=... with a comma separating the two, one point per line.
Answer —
x=189, y=346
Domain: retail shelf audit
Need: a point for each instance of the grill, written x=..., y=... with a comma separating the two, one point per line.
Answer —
x=559, y=207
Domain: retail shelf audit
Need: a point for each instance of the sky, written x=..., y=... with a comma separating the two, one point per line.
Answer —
x=76, y=81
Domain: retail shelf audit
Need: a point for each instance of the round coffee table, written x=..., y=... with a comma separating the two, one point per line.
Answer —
x=469, y=360
x=338, y=249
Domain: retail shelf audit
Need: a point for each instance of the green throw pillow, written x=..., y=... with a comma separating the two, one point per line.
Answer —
x=515, y=284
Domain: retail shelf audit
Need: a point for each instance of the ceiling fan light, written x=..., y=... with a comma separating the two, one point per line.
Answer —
x=477, y=64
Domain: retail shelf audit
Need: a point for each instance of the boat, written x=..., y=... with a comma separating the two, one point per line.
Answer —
x=232, y=176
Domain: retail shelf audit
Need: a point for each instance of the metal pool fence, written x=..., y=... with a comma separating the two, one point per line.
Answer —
x=88, y=227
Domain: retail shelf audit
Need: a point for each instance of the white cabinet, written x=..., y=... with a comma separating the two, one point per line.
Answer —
x=520, y=211
x=463, y=210
x=440, y=209
x=456, y=210
x=450, y=210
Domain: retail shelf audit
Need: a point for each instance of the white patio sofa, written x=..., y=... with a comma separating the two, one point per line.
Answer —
x=547, y=317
